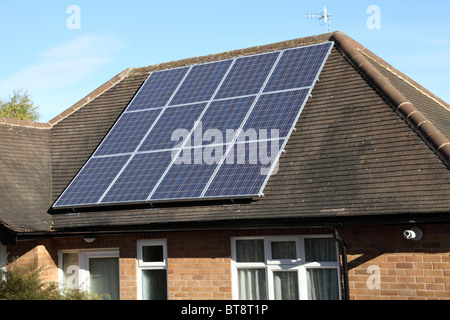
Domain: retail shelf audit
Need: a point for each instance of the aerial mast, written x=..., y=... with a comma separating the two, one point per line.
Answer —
x=324, y=15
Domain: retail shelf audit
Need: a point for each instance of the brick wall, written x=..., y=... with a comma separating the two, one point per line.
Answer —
x=199, y=265
x=382, y=264
x=36, y=252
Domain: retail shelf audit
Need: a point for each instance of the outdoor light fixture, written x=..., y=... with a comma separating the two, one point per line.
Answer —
x=413, y=234
x=89, y=239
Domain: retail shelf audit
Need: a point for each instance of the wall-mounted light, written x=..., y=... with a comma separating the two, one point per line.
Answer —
x=89, y=239
x=413, y=234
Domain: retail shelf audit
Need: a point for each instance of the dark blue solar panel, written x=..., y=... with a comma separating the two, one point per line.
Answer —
x=247, y=75
x=128, y=132
x=224, y=99
x=276, y=111
x=226, y=114
x=245, y=169
x=164, y=134
x=201, y=82
x=298, y=67
x=139, y=178
x=187, y=180
x=92, y=181
x=158, y=89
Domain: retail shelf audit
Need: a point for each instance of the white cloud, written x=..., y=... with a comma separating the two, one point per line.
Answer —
x=64, y=64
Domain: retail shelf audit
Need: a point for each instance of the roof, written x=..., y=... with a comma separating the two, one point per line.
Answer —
x=370, y=142
x=24, y=175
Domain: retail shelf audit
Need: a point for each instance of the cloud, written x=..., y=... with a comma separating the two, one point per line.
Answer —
x=65, y=64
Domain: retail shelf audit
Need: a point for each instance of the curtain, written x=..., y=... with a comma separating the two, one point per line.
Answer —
x=252, y=284
x=250, y=250
x=104, y=276
x=320, y=250
x=284, y=250
x=285, y=284
x=322, y=284
x=154, y=285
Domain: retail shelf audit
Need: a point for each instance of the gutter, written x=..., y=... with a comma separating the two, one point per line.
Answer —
x=305, y=222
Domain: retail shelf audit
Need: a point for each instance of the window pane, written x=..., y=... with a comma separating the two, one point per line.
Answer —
x=152, y=254
x=154, y=284
x=323, y=250
x=285, y=284
x=252, y=284
x=250, y=250
x=104, y=276
x=70, y=270
x=284, y=250
x=322, y=284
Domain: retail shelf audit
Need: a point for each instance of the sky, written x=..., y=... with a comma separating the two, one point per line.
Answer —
x=62, y=50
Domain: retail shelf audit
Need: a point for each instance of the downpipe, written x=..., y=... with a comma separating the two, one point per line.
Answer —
x=343, y=248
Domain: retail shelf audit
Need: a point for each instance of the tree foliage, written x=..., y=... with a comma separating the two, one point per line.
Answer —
x=19, y=106
x=19, y=282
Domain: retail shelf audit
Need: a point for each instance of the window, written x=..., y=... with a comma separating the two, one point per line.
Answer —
x=93, y=270
x=152, y=264
x=2, y=256
x=285, y=268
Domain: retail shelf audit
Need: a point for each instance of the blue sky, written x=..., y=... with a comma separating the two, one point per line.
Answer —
x=60, y=65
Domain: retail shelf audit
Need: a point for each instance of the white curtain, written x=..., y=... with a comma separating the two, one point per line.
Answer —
x=322, y=284
x=252, y=284
x=285, y=285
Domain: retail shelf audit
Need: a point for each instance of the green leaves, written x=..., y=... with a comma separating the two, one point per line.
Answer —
x=24, y=282
x=19, y=106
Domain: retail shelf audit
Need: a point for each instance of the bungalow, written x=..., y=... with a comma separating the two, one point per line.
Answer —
x=357, y=208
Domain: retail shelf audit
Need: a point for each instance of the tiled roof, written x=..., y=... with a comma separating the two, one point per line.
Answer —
x=24, y=175
x=370, y=141
x=410, y=106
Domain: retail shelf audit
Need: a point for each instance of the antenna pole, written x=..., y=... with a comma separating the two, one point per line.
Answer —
x=324, y=15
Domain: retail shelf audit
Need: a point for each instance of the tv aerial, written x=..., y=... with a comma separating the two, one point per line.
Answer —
x=324, y=15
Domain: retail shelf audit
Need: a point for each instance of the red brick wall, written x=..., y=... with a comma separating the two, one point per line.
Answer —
x=39, y=252
x=407, y=269
x=199, y=263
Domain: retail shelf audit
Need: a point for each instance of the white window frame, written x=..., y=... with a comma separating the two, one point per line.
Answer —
x=2, y=256
x=159, y=265
x=270, y=265
x=83, y=263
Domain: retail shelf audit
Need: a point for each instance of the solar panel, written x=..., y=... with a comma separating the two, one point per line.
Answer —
x=89, y=185
x=298, y=68
x=138, y=178
x=127, y=133
x=184, y=117
x=201, y=82
x=265, y=116
x=206, y=131
x=186, y=180
x=245, y=173
x=157, y=89
x=247, y=75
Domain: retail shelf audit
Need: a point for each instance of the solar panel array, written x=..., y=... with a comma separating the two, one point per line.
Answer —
x=207, y=131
